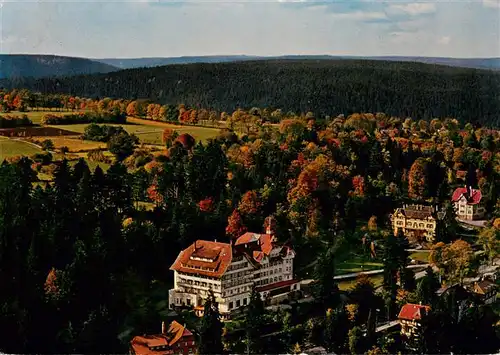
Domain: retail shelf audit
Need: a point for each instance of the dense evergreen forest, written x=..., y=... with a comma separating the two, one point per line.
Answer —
x=325, y=87
x=85, y=266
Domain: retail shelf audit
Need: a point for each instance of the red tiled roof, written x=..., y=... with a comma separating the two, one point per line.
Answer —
x=473, y=199
x=142, y=345
x=263, y=244
x=263, y=240
x=412, y=311
x=217, y=257
x=276, y=285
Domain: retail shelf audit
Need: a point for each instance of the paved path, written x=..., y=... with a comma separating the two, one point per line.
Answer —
x=477, y=223
x=386, y=326
x=371, y=272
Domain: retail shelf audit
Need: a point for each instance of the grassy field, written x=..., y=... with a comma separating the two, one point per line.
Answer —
x=348, y=284
x=74, y=144
x=151, y=133
x=148, y=131
x=199, y=133
x=10, y=148
x=357, y=264
x=36, y=116
x=422, y=256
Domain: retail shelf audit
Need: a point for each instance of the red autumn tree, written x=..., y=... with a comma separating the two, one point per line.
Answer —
x=50, y=285
x=186, y=140
x=235, y=227
x=154, y=194
x=206, y=205
x=358, y=182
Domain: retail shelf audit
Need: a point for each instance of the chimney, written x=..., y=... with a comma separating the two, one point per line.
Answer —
x=163, y=328
x=269, y=225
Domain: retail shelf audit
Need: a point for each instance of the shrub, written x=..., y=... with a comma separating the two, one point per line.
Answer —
x=101, y=133
x=96, y=155
x=122, y=145
x=43, y=158
x=84, y=117
x=9, y=121
x=47, y=145
x=64, y=149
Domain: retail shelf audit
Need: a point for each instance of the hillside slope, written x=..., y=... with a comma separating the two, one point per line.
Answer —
x=20, y=65
x=323, y=86
x=130, y=63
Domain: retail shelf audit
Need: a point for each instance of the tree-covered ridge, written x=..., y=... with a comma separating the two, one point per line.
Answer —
x=325, y=87
x=42, y=65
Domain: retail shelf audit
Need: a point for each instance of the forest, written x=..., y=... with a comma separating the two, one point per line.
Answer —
x=325, y=87
x=86, y=256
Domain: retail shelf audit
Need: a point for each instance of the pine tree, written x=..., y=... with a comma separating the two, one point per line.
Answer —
x=371, y=326
x=210, y=341
x=355, y=340
x=427, y=287
x=391, y=264
x=254, y=321
x=335, y=334
x=325, y=288
x=376, y=161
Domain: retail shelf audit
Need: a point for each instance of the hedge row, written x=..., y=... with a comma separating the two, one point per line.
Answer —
x=84, y=117
x=9, y=121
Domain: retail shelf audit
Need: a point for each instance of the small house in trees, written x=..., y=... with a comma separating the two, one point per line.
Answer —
x=467, y=202
x=410, y=317
x=486, y=291
x=418, y=222
x=177, y=339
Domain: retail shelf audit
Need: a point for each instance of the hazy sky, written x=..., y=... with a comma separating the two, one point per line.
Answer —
x=163, y=28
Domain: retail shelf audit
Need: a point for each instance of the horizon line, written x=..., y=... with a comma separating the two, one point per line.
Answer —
x=249, y=55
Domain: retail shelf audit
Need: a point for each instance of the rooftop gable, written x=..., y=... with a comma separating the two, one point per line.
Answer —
x=156, y=344
x=473, y=198
x=204, y=257
x=412, y=311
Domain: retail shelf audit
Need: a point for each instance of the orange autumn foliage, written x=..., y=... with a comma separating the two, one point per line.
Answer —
x=249, y=203
x=235, y=227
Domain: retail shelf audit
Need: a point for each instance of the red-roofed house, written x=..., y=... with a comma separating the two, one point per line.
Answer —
x=467, y=203
x=231, y=270
x=176, y=340
x=410, y=318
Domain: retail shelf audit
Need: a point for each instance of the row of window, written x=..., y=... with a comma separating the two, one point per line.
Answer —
x=236, y=291
x=238, y=303
x=198, y=283
x=179, y=301
x=415, y=224
x=199, y=276
x=270, y=280
x=237, y=267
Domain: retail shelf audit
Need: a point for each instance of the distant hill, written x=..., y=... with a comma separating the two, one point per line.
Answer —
x=478, y=63
x=130, y=63
x=326, y=87
x=21, y=65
